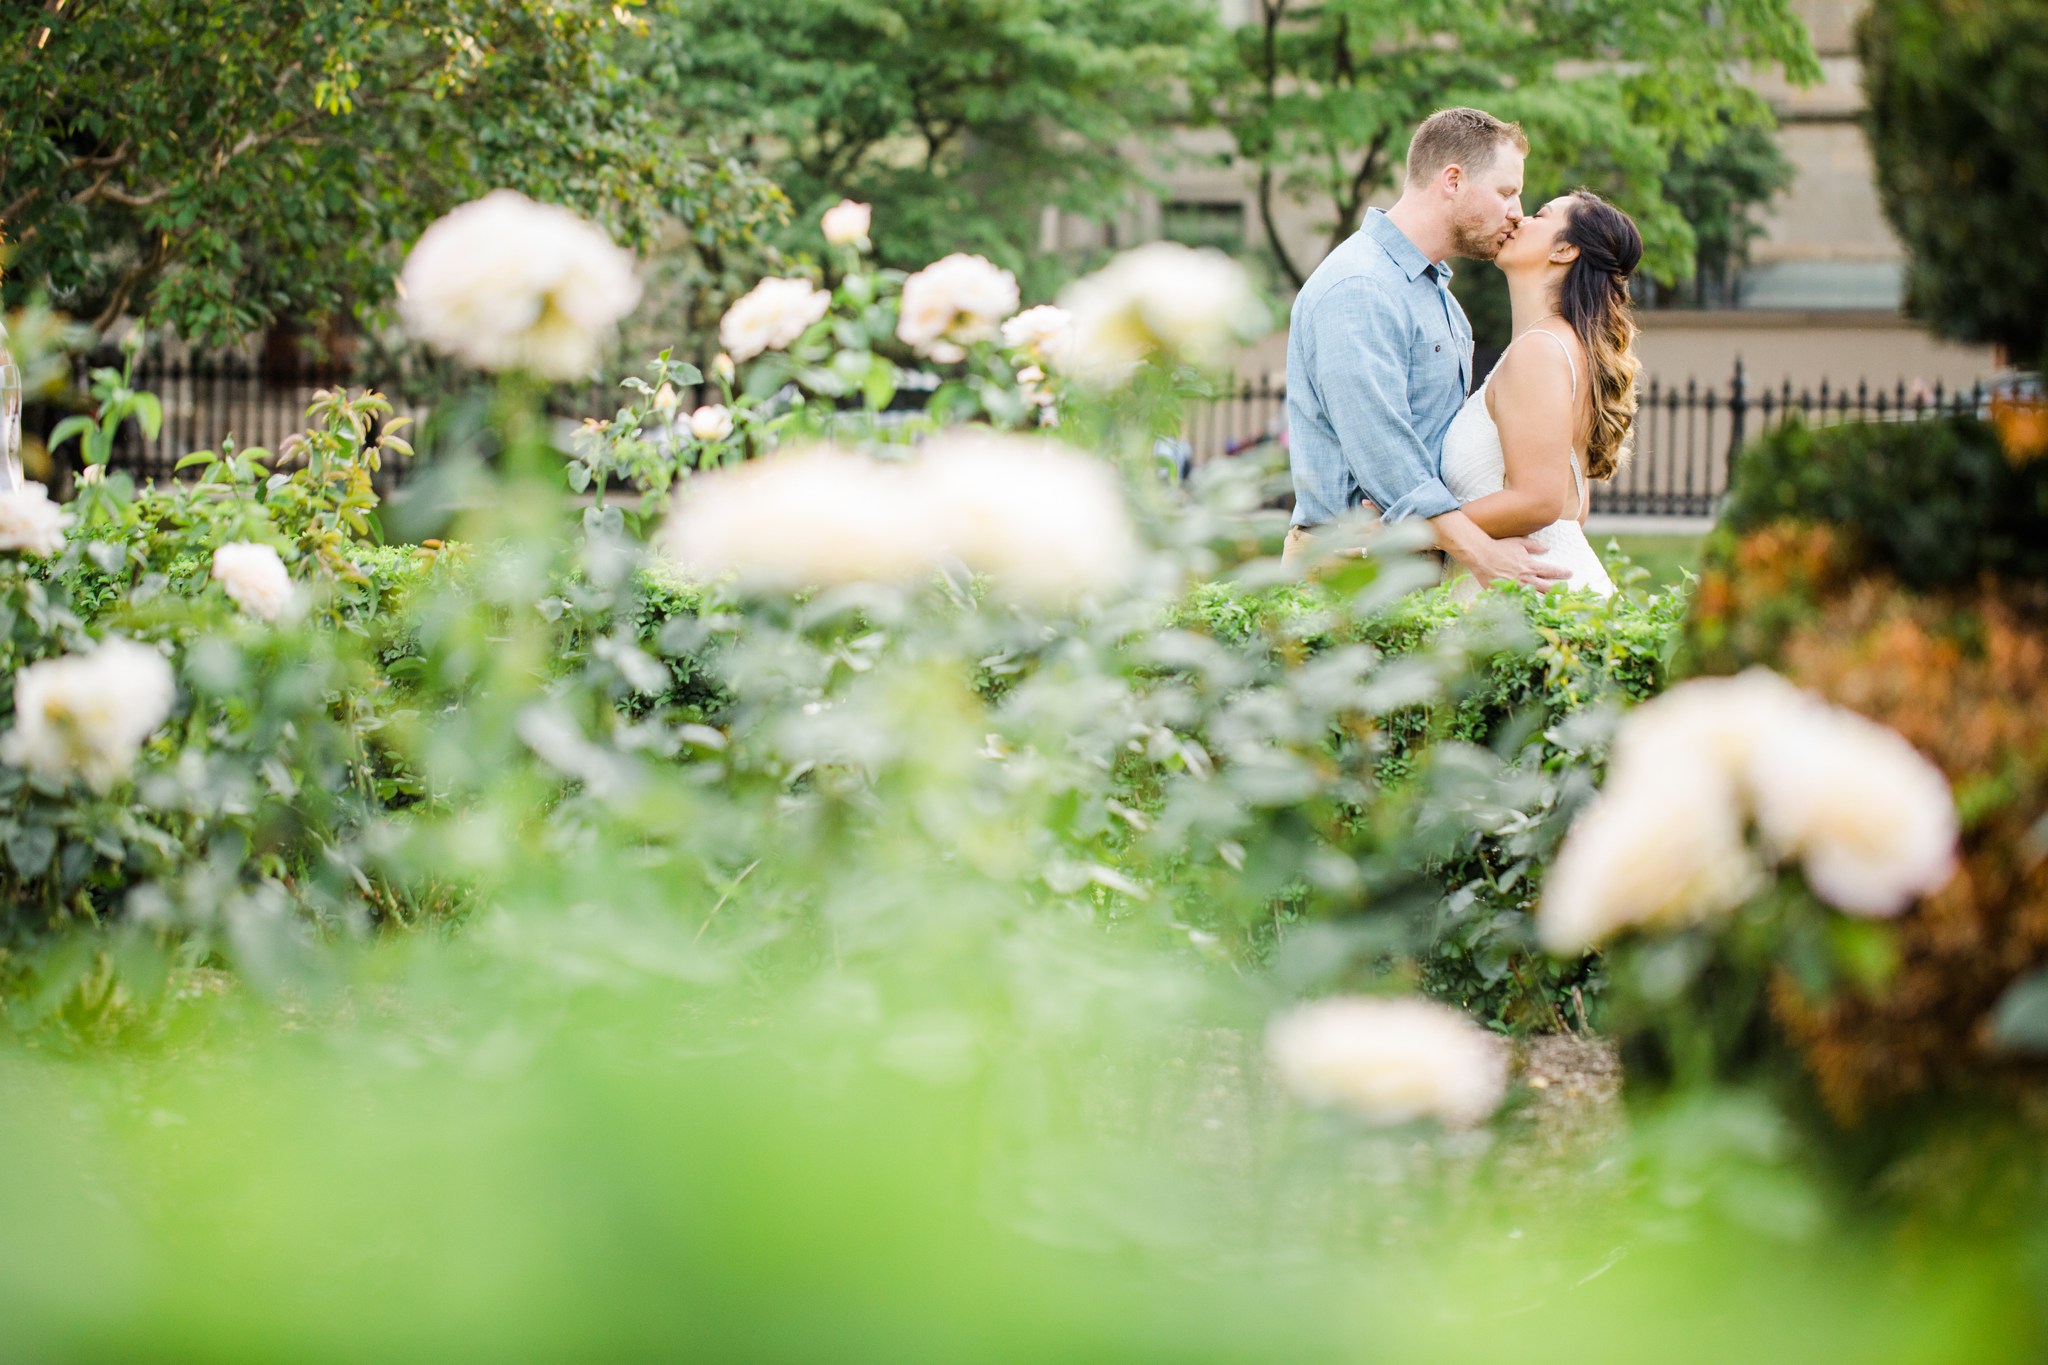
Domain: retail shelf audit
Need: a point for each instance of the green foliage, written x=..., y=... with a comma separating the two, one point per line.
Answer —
x=1514, y=697
x=1956, y=93
x=1933, y=503
x=220, y=166
x=1322, y=97
x=1717, y=187
x=961, y=122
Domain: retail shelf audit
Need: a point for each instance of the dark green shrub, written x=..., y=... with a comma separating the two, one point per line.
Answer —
x=1957, y=95
x=1935, y=503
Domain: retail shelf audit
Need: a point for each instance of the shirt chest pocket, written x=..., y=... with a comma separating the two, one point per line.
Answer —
x=1436, y=364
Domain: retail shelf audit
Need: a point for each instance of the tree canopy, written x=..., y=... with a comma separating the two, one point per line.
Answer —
x=217, y=164
x=960, y=120
x=1957, y=96
x=1320, y=96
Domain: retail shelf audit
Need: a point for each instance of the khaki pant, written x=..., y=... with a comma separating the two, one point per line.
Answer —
x=1301, y=542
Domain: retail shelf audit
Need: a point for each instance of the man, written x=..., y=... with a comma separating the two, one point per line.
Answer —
x=1379, y=354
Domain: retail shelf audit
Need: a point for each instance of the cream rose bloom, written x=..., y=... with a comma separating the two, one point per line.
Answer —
x=255, y=577
x=810, y=517
x=505, y=283
x=712, y=422
x=1664, y=848
x=87, y=715
x=30, y=523
x=1389, y=1062
x=1191, y=303
x=846, y=223
x=770, y=316
x=1041, y=332
x=1871, y=821
x=953, y=303
x=1044, y=521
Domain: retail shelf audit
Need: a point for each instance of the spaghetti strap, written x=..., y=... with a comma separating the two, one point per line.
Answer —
x=1567, y=356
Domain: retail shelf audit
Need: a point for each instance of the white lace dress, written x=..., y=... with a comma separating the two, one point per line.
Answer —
x=1474, y=466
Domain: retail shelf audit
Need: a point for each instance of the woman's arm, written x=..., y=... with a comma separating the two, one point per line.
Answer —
x=1530, y=396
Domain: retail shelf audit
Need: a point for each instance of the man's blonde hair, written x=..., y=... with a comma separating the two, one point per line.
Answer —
x=1460, y=137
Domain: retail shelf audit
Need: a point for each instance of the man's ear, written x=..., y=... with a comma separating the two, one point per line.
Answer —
x=1452, y=178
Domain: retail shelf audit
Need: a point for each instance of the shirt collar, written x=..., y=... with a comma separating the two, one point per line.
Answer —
x=1395, y=243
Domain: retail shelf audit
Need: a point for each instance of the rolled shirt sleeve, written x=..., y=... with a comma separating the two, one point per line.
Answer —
x=1361, y=358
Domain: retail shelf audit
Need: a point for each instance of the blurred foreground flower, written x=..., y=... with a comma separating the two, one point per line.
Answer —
x=505, y=283
x=846, y=224
x=1185, y=303
x=770, y=316
x=1666, y=849
x=1045, y=522
x=1872, y=822
x=254, y=577
x=30, y=523
x=954, y=302
x=1389, y=1062
x=86, y=715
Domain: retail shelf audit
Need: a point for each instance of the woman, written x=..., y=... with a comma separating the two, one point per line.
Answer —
x=1565, y=385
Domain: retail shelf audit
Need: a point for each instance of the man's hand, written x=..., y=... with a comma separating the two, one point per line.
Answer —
x=1515, y=560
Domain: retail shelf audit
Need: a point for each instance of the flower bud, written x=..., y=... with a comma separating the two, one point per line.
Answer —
x=846, y=224
x=723, y=367
x=711, y=423
x=665, y=399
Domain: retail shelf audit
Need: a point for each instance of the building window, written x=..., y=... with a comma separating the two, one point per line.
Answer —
x=1194, y=222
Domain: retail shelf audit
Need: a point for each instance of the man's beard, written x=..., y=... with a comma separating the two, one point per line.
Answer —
x=1471, y=239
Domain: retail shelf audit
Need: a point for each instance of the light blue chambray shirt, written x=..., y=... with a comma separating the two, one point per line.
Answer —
x=1379, y=358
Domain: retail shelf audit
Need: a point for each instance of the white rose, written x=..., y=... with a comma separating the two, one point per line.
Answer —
x=1043, y=520
x=770, y=316
x=87, y=715
x=1389, y=1062
x=810, y=517
x=1191, y=304
x=1665, y=848
x=1041, y=331
x=1720, y=721
x=30, y=523
x=505, y=283
x=1872, y=822
x=846, y=223
x=712, y=422
x=953, y=303
x=255, y=577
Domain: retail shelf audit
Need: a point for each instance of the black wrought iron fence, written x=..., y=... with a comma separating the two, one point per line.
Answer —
x=1686, y=435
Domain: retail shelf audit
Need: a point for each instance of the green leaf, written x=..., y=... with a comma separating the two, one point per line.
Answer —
x=68, y=428
x=30, y=848
x=2020, y=1023
x=149, y=410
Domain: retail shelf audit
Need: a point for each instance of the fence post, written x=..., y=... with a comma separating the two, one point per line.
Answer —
x=1738, y=409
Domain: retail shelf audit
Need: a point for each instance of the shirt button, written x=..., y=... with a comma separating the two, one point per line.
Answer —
x=1439, y=345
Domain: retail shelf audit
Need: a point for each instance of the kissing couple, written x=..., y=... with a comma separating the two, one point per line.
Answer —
x=1379, y=365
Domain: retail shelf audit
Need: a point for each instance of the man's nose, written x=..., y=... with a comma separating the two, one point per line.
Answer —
x=1514, y=211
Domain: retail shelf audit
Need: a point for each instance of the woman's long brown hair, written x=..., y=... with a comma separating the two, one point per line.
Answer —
x=1594, y=299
